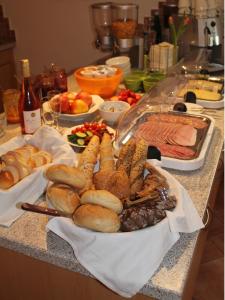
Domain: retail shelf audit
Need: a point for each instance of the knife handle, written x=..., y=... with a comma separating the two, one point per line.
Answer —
x=39, y=209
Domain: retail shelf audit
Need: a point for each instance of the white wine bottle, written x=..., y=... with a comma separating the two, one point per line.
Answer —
x=29, y=104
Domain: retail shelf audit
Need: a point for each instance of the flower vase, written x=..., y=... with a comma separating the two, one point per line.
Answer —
x=175, y=54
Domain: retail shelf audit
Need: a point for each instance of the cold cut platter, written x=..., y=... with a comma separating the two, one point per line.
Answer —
x=182, y=138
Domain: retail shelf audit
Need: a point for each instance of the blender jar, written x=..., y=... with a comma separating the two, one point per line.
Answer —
x=102, y=18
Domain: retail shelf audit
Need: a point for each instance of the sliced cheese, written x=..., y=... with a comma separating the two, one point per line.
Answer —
x=201, y=94
x=205, y=85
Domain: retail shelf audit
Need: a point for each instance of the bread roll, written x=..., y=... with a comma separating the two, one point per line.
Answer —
x=96, y=218
x=66, y=174
x=6, y=179
x=15, y=165
x=39, y=159
x=63, y=197
x=103, y=198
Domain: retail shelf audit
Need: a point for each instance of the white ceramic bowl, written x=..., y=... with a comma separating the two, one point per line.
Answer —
x=118, y=61
x=111, y=111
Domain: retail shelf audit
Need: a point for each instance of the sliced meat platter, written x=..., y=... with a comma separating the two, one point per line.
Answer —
x=176, y=136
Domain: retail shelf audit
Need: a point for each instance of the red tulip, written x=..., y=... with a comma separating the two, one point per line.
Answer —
x=170, y=20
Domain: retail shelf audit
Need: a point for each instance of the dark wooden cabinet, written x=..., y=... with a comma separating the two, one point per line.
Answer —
x=7, y=69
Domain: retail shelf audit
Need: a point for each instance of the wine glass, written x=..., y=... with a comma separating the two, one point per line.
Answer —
x=51, y=113
x=55, y=107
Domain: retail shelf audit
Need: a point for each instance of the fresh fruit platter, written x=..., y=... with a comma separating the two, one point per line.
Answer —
x=81, y=135
x=128, y=96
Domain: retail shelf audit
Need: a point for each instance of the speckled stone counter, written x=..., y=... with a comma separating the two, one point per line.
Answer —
x=28, y=234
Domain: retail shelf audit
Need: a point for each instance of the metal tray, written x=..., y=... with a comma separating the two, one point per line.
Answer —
x=202, y=142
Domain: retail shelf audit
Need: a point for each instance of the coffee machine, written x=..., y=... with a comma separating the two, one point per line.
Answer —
x=116, y=27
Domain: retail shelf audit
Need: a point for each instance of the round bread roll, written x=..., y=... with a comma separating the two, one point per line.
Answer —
x=66, y=174
x=63, y=197
x=103, y=198
x=6, y=179
x=96, y=218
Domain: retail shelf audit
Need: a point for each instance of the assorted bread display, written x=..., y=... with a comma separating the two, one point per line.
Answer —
x=118, y=197
x=19, y=163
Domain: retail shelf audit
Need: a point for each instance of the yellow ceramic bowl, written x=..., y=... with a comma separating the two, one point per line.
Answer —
x=104, y=87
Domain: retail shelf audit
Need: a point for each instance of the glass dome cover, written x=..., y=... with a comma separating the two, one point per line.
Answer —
x=159, y=99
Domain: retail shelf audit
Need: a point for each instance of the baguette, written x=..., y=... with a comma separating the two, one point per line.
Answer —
x=63, y=197
x=65, y=174
x=102, y=198
x=125, y=156
x=137, y=168
x=106, y=153
x=88, y=160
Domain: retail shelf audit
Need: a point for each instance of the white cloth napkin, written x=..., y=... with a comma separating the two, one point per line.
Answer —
x=124, y=262
x=31, y=187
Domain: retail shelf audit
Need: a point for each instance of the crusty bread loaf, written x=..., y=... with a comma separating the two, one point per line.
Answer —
x=63, y=197
x=103, y=198
x=65, y=174
x=96, y=218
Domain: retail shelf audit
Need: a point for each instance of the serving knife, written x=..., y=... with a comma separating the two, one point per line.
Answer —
x=43, y=210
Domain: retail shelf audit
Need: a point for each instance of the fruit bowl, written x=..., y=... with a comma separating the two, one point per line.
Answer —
x=105, y=87
x=81, y=117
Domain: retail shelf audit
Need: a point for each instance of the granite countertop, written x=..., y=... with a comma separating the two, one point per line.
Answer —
x=168, y=281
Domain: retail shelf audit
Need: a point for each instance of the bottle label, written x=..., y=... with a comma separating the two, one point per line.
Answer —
x=32, y=120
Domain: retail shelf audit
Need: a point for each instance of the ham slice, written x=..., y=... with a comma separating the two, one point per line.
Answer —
x=162, y=132
x=185, y=120
x=176, y=151
x=185, y=136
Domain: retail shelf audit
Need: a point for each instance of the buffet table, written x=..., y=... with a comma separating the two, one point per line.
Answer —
x=40, y=265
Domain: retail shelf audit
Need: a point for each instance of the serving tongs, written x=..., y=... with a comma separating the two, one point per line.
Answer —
x=43, y=210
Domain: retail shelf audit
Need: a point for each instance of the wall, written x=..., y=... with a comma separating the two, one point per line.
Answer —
x=58, y=31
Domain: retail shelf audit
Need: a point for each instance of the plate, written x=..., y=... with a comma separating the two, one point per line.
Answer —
x=211, y=104
x=78, y=148
x=193, y=108
x=97, y=100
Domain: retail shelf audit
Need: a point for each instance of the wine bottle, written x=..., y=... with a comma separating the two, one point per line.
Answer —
x=29, y=104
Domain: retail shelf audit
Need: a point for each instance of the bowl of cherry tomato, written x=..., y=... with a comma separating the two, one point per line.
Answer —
x=79, y=136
